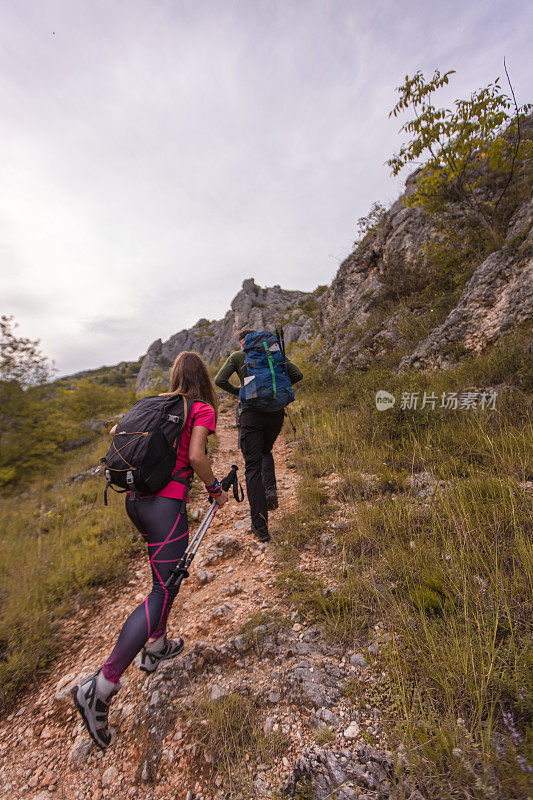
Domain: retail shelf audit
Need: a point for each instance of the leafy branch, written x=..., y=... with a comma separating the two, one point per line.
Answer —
x=452, y=144
x=21, y=360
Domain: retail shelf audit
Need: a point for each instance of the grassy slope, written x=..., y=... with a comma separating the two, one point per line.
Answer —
x=59, y=542
x=449, y=578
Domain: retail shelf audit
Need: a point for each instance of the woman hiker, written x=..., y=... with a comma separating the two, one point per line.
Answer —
x=161, y=519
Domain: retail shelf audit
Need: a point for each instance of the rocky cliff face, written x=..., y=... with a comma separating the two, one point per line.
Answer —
x=360, y=285
x=498, y=296
x=260, y=308
x=376, y=300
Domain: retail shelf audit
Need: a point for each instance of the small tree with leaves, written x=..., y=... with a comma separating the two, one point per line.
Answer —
x=453, y=143
x=21, y=360
x=373, y=221
x=26, y=415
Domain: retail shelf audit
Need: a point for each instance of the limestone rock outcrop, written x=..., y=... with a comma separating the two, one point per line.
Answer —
x=260, y=308
x=361, y=283
x=497, y=298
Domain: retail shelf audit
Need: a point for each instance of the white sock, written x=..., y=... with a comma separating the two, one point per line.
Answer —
x=103, y=686
x=155, y=647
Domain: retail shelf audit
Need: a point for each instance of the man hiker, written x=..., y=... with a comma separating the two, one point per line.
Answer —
x=260, y=418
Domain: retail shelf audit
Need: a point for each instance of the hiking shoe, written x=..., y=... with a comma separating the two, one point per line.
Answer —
x=271, y=500
x=93, y=707
x=261, y=534
x=150, y=659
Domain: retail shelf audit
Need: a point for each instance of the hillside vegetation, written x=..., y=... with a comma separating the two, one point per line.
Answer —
x=59, y=543
x=433, y=567
x=431, y=571
x=40, y=425
x=435, y=563
x=57, y=539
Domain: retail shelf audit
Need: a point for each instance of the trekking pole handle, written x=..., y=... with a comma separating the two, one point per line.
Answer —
x=230, y=478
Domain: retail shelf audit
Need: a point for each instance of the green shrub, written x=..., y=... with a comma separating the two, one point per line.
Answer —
x=309, y=305
x=41, y=424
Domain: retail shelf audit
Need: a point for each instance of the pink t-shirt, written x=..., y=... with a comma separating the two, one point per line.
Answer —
x=200, y=414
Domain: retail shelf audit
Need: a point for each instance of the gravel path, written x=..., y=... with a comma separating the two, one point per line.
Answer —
x=294, y=676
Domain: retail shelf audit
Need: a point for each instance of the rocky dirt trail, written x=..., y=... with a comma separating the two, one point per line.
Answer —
x=294, y=677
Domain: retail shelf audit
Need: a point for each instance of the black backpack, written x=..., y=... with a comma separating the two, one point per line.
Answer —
x=143, y=452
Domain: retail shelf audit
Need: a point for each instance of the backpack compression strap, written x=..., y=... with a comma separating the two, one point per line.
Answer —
x=269, y=358
x=109, y=485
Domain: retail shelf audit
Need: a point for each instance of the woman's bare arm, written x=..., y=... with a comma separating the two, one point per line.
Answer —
x=199, y=461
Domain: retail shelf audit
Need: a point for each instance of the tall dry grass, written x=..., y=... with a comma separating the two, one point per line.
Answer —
x=58, y=543
x=447, y=573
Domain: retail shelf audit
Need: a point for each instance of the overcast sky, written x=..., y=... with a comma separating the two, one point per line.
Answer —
x=154, y=153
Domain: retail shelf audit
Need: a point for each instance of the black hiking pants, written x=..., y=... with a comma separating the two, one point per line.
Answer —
x=258, y=430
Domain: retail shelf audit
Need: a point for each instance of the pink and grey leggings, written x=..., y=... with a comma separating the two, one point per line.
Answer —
x=162, y=522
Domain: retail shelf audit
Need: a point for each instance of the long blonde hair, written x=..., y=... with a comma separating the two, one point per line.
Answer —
x=190, y=377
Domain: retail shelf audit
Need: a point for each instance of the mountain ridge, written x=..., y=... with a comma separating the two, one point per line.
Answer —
x=252, y=306
x=426, y=287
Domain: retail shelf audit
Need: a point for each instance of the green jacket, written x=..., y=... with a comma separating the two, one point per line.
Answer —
x=235, y=363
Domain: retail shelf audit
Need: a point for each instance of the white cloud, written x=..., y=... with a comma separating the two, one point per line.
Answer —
x=154, y=155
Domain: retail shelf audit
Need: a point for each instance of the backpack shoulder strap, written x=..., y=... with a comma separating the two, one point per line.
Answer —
x=184, y=476
x=188, y=404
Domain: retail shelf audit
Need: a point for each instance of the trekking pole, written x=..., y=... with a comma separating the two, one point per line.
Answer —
x=291, y=422
x=281, y=339
x=181, y=570
x=283, y=343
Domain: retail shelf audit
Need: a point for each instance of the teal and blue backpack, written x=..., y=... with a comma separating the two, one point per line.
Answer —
x=267, y=386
